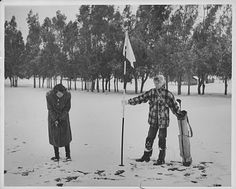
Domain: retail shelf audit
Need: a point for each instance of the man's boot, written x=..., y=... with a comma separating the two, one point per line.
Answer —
x=146, y=157
x=161, y=158
x=148, y=151
x=162, y=152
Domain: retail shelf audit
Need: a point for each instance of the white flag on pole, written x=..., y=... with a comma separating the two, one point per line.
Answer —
x=129, y=51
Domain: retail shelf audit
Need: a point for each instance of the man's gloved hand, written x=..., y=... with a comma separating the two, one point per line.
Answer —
x=181, y=114
x=56, y=123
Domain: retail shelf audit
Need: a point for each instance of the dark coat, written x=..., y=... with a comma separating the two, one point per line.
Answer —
x=58, y=110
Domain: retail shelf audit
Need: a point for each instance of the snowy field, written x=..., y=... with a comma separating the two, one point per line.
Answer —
x=96, y=137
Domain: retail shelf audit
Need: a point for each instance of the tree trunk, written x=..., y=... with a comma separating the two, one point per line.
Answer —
x=93, y=85
x=68, y=85
x=189, y=84
x=106, y=83
x=203, y=89
x=43, y=82
x=10, y=78
x=85, y=85
x=117, y=85
x=13, y=81
x=75, y=83
x=199, y=86
x=203, y=85
x=34, y=81
x=114, y=84
x=82, y=87
x=142, y=85
x=97, y=85
x=144, y=79
x=16, y=81
x=15, y=78
x=136, y=85
x=61, y=79
x=51, y=83
x=179, y=84
x=47, y=83
x=125, y=84
x=103, y=88
x=226, y=86
x=39, y=82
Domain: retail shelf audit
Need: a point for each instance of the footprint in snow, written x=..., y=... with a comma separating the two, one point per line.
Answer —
x=187, y=174
x=104, y=178
x=200, y=167
x=169, y=164
x=58, y=179
x=176, y=169
x=59, y=184
x=205, y=162
x=70, y=178
x=85, y=173
x=25, y=173
x=168, y=174
x=119, y=172
x=100, y=172
x=217, y=185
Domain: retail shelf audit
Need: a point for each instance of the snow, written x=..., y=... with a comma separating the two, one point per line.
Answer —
x=96, y=137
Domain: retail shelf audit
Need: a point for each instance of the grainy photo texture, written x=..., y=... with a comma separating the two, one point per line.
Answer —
x=108, y=95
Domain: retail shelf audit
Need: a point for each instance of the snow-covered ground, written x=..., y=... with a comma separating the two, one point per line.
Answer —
x=95, y=148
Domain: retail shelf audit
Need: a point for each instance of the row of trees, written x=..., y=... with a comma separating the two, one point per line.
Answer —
x=172, y=40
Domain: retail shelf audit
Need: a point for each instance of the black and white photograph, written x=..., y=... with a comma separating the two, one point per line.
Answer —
x=117, y=94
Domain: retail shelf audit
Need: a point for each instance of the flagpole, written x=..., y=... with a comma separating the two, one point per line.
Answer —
x=123, y=115
x=129, y=55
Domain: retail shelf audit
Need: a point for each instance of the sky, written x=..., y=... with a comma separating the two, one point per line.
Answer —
x=20, y=12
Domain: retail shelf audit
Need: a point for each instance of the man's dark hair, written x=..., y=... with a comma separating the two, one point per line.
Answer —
x=59, y=87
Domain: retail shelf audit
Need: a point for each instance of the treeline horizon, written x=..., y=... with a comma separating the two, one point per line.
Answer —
x=166, y=39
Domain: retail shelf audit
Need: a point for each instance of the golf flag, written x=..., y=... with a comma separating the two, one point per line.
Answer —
x=128, y=51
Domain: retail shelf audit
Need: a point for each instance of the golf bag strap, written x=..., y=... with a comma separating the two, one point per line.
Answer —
x=190, y=128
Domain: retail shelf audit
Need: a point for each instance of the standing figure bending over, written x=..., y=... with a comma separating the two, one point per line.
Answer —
x=59, y=131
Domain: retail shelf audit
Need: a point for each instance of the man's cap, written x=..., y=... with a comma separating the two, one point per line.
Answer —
x=160, y=78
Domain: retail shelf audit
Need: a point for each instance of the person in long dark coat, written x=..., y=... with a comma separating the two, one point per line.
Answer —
x=59, y=131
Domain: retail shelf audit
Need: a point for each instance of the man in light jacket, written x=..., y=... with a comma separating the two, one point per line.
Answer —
x=160, y=101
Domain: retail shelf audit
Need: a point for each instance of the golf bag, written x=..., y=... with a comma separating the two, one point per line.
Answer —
x=185, y=132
